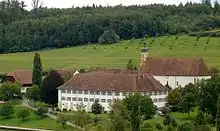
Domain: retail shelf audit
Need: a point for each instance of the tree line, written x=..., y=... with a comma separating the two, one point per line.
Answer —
x=22, y=30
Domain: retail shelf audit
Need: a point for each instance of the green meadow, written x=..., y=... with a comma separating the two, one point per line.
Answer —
x=117, y=55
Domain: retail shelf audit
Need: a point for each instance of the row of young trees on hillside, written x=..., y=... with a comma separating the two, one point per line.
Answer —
x=55, y=28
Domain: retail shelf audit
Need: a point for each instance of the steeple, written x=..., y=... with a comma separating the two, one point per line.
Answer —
x=144, y=54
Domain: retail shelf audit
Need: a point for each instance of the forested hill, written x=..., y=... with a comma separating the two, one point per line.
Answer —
x=22, y=30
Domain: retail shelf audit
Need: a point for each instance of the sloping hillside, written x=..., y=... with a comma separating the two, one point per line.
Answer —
x=116, y=56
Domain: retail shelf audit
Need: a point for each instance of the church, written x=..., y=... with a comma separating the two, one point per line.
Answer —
x=175, y=72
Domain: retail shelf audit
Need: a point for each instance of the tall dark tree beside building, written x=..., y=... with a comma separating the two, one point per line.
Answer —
x=37, y=70
x=49, y=93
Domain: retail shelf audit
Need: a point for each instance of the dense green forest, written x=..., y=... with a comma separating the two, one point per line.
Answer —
x=22, y=30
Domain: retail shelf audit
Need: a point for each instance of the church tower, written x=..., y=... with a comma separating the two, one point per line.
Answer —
x=144, y=54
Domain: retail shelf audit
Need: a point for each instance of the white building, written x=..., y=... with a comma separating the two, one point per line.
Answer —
x=174, y=71
x=108, y=85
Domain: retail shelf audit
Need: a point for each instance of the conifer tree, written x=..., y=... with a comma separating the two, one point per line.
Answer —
x=37, y=70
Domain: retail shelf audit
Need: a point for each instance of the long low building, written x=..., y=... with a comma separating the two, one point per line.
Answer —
x=105, y=86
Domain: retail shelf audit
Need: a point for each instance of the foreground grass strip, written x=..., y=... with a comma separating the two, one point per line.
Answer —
x=22, y=129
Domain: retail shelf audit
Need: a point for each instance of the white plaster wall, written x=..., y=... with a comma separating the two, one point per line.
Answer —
x=175, y=81
x=71, y=105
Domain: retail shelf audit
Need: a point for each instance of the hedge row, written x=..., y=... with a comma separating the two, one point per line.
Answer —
x=205, y=34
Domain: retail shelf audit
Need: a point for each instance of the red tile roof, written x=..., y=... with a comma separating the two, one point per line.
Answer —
x=113, y=80
x=23, y=77
x=175, y=67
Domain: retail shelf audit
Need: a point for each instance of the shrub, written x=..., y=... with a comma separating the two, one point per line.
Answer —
x=41, y=112
x=185, y=126
x=126, y=47
x=146, y=126
x=174, y=123
x=201, y=128
x=6, y=110
x=23, y=114
x=108, y=37
x=159, y=127
x=167, y=120
x=82, y=70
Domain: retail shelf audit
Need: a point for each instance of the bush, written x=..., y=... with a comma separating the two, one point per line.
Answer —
x=109, y=37
x=23, y=114
x=201, y=128
x=159, y=127
x=146, y=126
x=185, y=126
x=6, y=110
x=41, y=112
x=167, y=120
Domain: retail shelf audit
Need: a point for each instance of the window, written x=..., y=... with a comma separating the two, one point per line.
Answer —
x=155, y=100
x=155, y=93
x=63, y=98
x=177, y=83
x=160, y=93
x=97, y=93
x=74, y=99
x=164, y=92
x=150, y=93
x=130, y=93
x=79, y=99
x=85, y=92
x=80, y=92
x=124, y=94
x=97, y=99
x=68, y=91
x=103, y=92
x=68, y=98
x=117, y=93
x=109, y=100
x=109, y=93
x=160, y=99
x=195, y=80
x=85, y=99
x=73, y=92
x=91, y=100
x=103, y=100
x=92, y=92
x=63, y=91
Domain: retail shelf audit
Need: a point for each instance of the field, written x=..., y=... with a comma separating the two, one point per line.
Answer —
x=117, y=55
x=33, y=122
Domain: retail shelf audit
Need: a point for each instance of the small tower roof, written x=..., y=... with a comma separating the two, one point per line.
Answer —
x=145, y=49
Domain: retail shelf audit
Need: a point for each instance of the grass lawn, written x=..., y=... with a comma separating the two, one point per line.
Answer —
x=116, y=56
x=33, y=122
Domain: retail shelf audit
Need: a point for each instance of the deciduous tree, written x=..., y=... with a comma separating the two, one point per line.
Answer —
x=49, y=86
x=218, y=115
x=209, y=90
x=139, y=107
x=6, y=110
x=118, y=115
x=9, y=91
x=174, y=98
x=33, y=93
x=23, y=114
